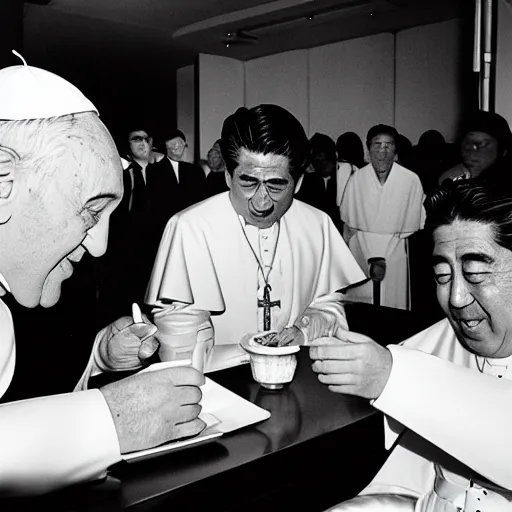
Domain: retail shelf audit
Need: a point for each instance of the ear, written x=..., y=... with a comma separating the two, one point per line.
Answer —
x=8, y=160
x=299, y=183
x=228, y=178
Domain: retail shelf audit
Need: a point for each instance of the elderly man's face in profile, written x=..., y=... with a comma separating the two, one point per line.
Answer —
x=65, y=212
x=261, y=188
x=140, y=144
x=474, y=286
x=479, y=151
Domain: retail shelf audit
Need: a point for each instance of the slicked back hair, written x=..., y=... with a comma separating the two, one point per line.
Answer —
x=475, y=201
x=265, y=129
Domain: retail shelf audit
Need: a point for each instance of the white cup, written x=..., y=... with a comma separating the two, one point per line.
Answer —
x=184, y=335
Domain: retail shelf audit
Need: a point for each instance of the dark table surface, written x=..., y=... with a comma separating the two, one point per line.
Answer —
x=316, y=449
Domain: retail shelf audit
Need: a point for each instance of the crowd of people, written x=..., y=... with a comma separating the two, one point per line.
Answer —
x=228, y=248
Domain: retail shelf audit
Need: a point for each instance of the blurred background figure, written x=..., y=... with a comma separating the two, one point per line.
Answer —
x=382, y=207
x=485, y=146
x=349, y=148
x=214, y=168
x=350, y=153
x=319, y=188
x=404, y=152
x=430, y=158
x=184, y=181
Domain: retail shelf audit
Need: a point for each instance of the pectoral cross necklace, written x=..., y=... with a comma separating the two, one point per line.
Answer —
x=267, y=304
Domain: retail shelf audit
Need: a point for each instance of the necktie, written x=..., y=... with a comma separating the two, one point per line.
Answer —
x=139, y=192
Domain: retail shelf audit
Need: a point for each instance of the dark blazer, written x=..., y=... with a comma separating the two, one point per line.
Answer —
x=168, y=196
x=313, y=192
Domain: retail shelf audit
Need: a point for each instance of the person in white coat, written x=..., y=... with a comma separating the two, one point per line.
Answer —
x=449, y=387
x=60, y=179
x=382, y=206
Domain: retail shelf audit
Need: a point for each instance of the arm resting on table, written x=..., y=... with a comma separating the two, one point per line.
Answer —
x=454, y=408
x=51, y=442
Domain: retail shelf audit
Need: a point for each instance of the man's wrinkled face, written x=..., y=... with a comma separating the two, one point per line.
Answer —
x=479, y=151
x=261, y=188
x=175, y=148
x=214, y=157
x=474, y=286
x=65, y=213
x=382, y=152
x=140, y=144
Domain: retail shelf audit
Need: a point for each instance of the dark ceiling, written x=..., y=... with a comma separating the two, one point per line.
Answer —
x=243, y=29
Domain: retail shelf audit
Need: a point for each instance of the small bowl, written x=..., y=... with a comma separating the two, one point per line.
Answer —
x=272, y=367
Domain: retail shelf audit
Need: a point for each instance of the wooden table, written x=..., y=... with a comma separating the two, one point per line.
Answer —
x=317, y=448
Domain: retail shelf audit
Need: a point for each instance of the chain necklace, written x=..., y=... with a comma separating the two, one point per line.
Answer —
x=266, y=303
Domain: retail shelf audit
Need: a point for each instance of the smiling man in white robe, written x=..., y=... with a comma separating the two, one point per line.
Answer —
x=60, y=180
x=254, y=258
x=381, y=208
x=446, y=391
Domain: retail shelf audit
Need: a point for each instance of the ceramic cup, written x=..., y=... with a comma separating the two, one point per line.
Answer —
x=272, y=367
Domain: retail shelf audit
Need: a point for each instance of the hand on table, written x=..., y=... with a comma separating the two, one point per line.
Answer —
x=353, y=364
x=125, y=345
x=152, y=408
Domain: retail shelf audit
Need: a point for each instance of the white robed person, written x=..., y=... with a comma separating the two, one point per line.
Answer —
x=447, y=390
x=60, y=179
x=382, y=206
x=252, y=259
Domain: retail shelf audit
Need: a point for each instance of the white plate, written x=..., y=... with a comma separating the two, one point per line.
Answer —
x=223, y=411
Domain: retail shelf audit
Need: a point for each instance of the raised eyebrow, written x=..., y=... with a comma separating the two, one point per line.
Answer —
x=478, y=256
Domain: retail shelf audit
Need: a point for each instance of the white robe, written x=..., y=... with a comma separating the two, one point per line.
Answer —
x=383, y=216
x=344, y=171
x=456, y=416
x=205, y=260
x=53, y=441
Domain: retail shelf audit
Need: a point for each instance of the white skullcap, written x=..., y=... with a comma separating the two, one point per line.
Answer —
x=27, y=92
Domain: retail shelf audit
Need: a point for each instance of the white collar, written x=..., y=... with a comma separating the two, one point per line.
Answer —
x=245, y=225
x=4, y=284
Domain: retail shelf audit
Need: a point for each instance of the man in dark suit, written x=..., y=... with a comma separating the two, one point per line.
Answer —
x=184, y=182
x=319, y=188
x=135, y=229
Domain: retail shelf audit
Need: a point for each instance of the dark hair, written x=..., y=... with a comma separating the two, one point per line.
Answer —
x=380, y=129
x=431, y=139
x=403, y=145
x=265, y=129
x=173, y=134
x=491, y=123
x=321, y=143
x=350, y=149
x=476, y=201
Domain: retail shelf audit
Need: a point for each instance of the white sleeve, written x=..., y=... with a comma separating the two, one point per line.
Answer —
x=459, y=410
x=323, y=317
x=54, y=441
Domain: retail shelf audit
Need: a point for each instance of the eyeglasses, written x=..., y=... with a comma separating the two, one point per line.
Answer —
x=139, y=138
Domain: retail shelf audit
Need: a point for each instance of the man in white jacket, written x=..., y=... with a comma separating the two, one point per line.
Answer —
x=60, y=179
x=449, y=386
